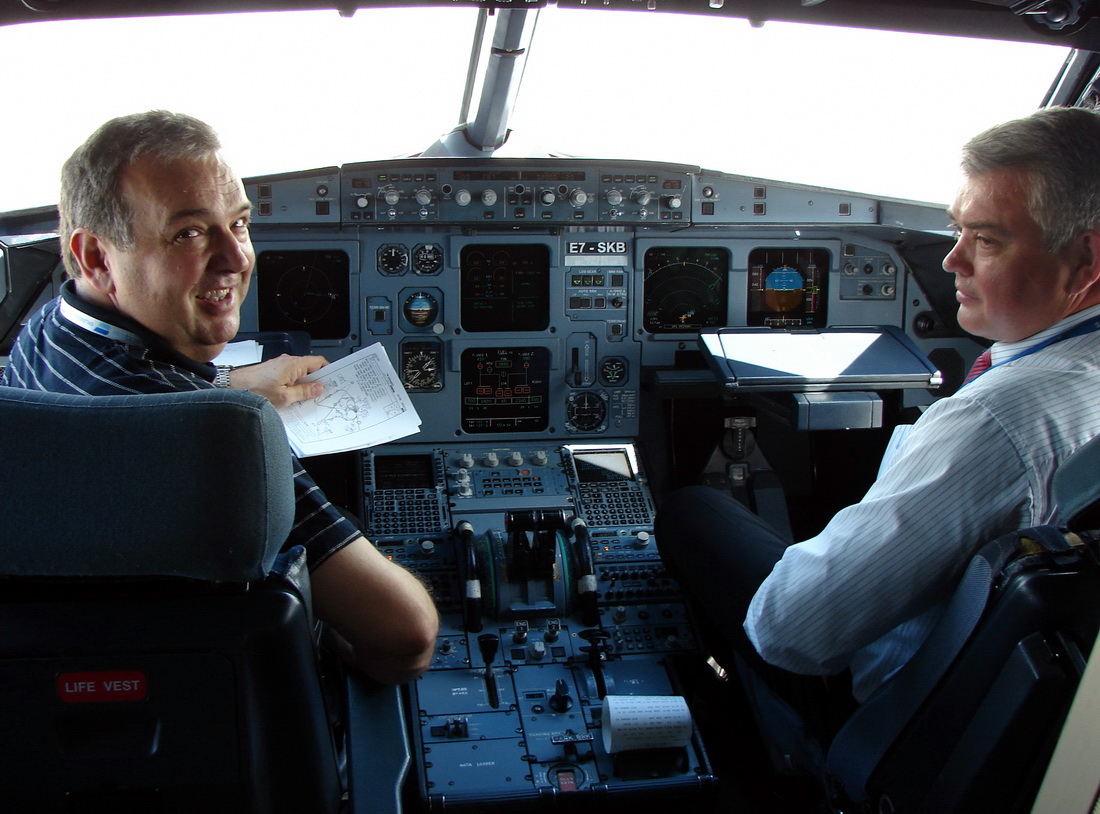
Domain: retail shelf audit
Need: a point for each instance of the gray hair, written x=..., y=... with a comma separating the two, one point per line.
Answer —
x=91, y=180
x=1058, y=149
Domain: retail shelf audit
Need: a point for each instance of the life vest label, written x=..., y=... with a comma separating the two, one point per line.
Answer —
x=102, y=687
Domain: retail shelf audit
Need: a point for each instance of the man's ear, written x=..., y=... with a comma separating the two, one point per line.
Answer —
x=90, y=252
x=1089, y=262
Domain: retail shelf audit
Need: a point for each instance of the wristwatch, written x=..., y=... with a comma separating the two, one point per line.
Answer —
x=221, y=378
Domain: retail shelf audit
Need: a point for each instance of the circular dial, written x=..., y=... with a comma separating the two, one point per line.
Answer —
x=420, y=309
x=393, y=259
x=613, y=370
x=685, y=289
x=421, y=367
x=586, y=411
x=304, y=294
x=427, y=258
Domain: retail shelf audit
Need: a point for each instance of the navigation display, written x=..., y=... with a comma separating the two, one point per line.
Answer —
x=685, y=288
x=505, y=288
x=305, y=290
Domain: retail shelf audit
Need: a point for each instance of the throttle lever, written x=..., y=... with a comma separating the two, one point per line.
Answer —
x=471, y=603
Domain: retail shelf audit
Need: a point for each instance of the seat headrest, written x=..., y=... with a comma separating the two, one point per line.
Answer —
x=196, y=484
x=1076, y=486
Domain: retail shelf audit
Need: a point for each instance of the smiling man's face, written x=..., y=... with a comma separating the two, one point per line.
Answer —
x=189, y=269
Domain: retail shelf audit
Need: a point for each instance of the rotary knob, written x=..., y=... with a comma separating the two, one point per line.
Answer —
x=578, y=197
x=673, y=201
x=391, y=197
x=642, y=197
x=547, y=197
x=423, y=196
x=614, y=197
x=488, y=197
x=463, y=197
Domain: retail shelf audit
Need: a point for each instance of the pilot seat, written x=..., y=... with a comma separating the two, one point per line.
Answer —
x=157, y=652
x=970, y=723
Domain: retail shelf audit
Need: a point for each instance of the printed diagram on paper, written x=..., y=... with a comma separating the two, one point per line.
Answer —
x=364, y=404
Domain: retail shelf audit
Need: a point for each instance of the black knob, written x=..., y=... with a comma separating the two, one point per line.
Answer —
x=560, y=700
x=488, y=644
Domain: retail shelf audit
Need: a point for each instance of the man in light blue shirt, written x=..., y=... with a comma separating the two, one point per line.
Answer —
x=865, y=592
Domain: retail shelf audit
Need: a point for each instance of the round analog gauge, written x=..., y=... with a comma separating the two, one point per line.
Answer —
x=393, y=259
x=613, y=370
x=685, y=288
x=421, y=366
x=304, y=294
x=586, y=411
x=427, y=258
x=420, y=309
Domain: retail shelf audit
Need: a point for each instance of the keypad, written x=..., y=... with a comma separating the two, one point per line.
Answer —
x=615, y=504
x=405, y=511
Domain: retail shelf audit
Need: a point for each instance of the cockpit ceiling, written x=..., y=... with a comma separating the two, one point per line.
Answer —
x=1066, y=22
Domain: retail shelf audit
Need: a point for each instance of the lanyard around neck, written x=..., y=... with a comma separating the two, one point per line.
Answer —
x=1087, y=327
x=98, y=326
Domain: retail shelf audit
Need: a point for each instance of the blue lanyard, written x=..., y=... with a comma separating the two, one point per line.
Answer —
x=1087, y=327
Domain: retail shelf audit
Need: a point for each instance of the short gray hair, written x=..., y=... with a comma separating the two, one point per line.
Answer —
x=91, y=180
x=1058, y=149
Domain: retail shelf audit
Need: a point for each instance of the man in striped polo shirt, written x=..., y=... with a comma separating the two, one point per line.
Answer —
x=154, y=231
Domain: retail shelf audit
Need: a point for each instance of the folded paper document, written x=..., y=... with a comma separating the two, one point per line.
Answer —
x=364, y=404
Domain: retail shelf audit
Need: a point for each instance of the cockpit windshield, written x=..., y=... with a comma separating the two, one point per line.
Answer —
x=877, y=112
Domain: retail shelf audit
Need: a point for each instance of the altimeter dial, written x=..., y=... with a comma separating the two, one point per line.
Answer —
x=421, y=365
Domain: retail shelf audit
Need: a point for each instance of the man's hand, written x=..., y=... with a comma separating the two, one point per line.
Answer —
x=279, y=380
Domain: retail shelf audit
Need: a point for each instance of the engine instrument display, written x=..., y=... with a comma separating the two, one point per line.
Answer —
x=685, y=288
x=505, y=288
x=505, y=389
x=787, y=288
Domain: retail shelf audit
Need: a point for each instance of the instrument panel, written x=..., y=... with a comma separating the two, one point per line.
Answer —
x=533, y=297
x=528, y=308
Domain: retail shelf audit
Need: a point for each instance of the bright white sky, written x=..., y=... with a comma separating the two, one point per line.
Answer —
x=877, y=113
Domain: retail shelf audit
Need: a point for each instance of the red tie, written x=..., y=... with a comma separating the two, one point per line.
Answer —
x=981, y=365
